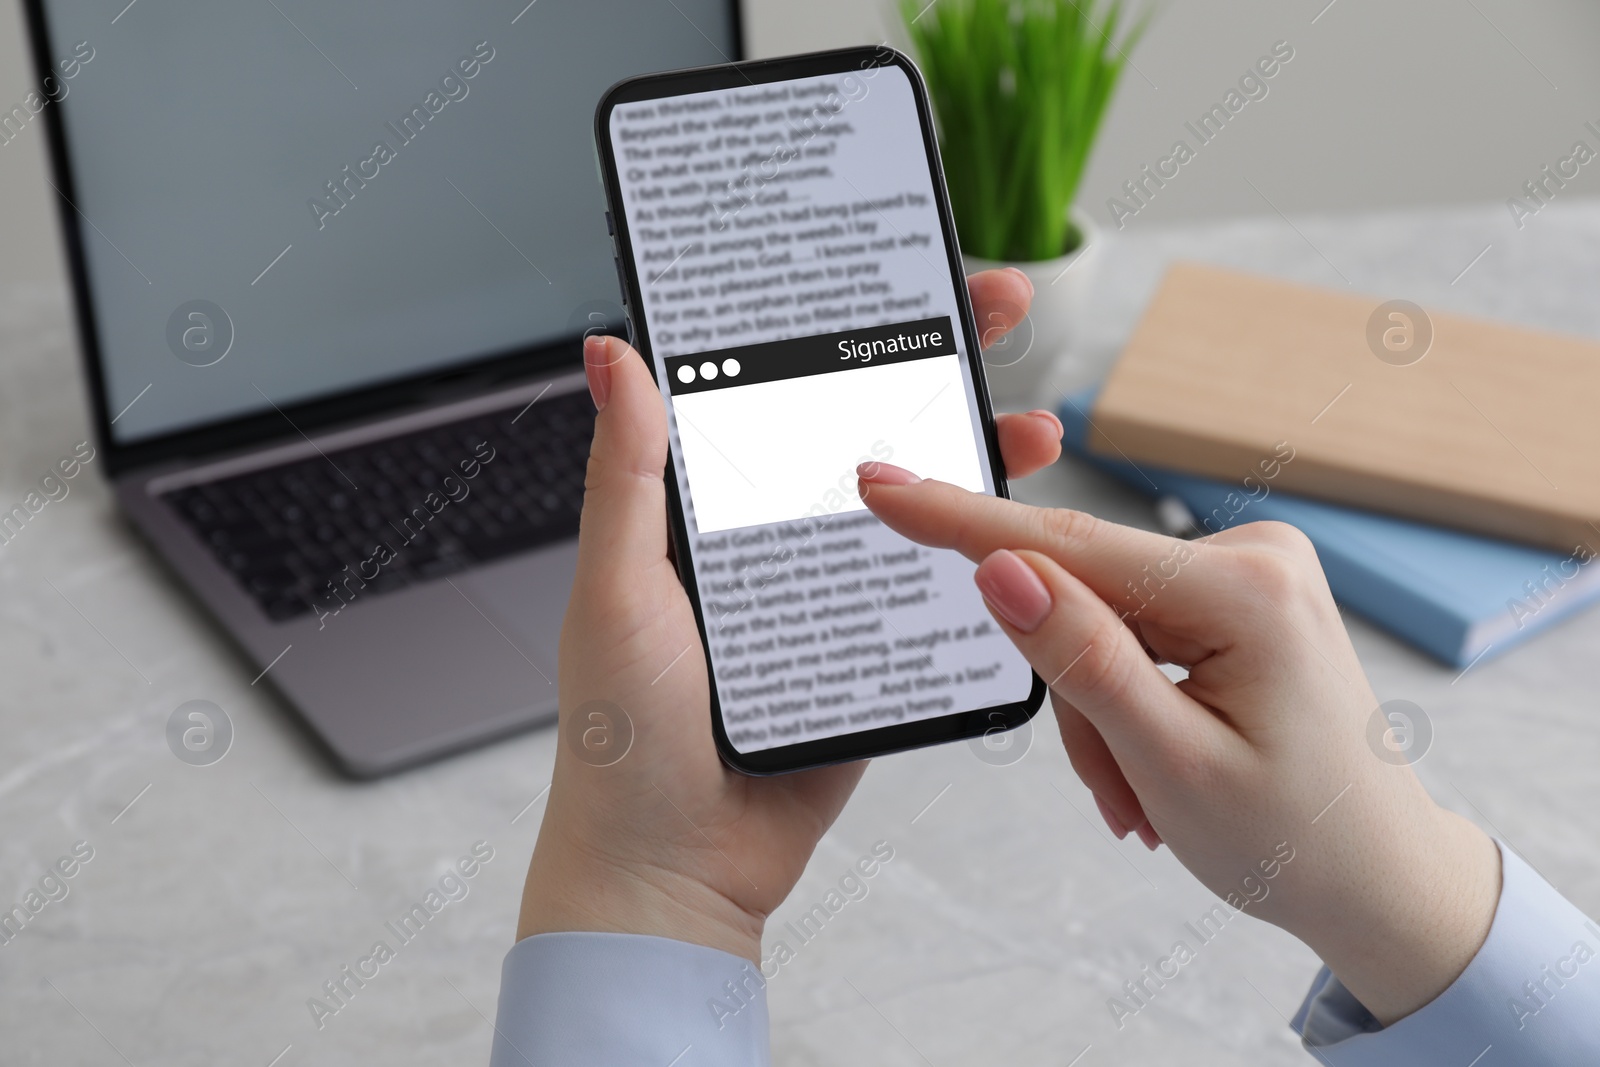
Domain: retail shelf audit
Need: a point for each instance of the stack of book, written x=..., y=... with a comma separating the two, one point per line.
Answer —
x=1447, y=470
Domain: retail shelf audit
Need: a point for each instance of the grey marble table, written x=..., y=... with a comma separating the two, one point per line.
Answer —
x=220, y=898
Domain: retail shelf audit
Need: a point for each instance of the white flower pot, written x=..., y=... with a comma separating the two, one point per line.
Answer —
x=1019, y=365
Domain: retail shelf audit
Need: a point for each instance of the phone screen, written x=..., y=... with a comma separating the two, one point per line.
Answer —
x=802, y=312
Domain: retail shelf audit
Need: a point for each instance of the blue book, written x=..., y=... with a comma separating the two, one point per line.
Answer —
x=1457, y=596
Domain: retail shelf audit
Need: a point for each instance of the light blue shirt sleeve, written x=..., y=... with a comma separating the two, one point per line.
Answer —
x=608, y=1000
x=1531, y=996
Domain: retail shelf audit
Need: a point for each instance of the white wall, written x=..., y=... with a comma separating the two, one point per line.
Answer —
x=27, y=209
x=1387, y=103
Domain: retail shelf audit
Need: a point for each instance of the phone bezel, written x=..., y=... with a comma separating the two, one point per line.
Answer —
x=878, y=741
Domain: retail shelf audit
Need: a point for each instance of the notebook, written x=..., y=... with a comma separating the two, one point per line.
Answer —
x=1457, y=596
x=1388, y=406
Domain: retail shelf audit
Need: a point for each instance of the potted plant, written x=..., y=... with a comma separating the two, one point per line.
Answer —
x=1019, y=88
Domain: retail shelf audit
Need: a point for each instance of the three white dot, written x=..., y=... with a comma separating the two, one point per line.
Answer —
x=708, y=370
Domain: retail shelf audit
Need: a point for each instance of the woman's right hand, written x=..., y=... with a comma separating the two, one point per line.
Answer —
x=1263, y=750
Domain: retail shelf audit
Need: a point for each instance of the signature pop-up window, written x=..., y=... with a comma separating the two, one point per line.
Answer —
x=772, y=432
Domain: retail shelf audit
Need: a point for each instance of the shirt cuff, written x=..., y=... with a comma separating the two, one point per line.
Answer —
x=602, y=999
x=1531, y=994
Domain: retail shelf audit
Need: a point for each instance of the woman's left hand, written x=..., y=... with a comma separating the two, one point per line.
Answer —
x=667, y=840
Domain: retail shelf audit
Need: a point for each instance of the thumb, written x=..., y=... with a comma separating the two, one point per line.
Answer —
x=624, y=523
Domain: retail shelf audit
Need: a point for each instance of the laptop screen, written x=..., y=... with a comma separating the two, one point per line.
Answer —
x=290, y=199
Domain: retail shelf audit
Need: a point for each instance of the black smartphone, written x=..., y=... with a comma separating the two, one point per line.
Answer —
x=790, y=271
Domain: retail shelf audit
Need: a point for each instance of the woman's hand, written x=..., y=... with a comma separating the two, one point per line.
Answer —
x=1261, y=753
x=666, y=840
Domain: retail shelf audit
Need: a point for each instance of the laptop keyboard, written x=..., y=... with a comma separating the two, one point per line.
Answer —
x=314, y=534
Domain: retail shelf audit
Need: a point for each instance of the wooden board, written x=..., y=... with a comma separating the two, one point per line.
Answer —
x=1495, y=429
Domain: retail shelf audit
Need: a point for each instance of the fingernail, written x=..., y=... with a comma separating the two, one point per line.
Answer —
x=886, y=474
x=1148, y=835
x=1024, y=277
x=1111, y=818
x=597, y=370
x=1051, y=419
x=1014, y=591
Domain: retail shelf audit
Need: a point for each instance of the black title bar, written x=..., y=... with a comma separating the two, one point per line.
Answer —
x=797, y=357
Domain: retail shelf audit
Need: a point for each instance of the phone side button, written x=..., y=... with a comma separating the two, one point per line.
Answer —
x=611, y=229
x=622, y=283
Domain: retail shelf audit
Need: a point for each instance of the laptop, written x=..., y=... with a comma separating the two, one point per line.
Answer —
x=332, y=266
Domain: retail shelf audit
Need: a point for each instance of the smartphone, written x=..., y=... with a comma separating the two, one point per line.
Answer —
x=790, y=272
